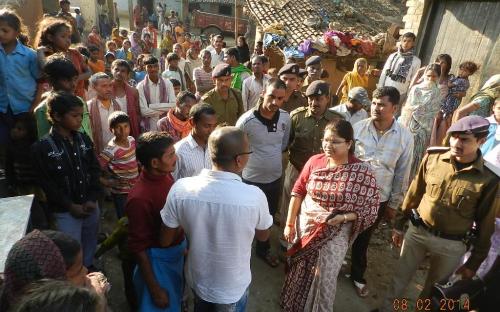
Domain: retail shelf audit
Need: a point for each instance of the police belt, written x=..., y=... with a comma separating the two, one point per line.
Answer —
x=417, y=221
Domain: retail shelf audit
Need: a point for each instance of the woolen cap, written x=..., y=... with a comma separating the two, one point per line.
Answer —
x=221, y=70
x=291, y=68
x=318, y=87
x=359, y=94
x=313, y=60
x=470, y=125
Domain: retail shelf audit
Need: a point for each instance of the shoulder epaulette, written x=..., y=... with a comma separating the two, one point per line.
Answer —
x=298, y=110
x=437, y=149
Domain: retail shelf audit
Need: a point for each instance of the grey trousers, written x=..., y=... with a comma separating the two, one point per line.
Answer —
x=445, y=256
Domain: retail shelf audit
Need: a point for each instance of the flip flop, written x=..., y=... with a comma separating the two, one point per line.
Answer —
x=271, y=260
x=361, y=289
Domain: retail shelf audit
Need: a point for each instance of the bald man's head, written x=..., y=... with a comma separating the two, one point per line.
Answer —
x=225, y=145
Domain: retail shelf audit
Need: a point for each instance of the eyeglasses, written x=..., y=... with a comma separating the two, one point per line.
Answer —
x=335, y=143
x=244, y=153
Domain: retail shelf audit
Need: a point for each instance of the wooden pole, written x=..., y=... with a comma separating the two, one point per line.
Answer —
x=235, y=22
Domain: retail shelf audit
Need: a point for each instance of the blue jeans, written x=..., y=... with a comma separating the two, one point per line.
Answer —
x=83, y=230
x=201, y=305
x=119, y=200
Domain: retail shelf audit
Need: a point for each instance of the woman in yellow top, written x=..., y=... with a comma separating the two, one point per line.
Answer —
x=358, y=77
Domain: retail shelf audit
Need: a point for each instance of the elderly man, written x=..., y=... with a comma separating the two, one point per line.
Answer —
x=220, y=229
x=176, y=123
x=225, y=100
x=268, y=129
x=100, y=108
x=353, y=109
x=192, y=151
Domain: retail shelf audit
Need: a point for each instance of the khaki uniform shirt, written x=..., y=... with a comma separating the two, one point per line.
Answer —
x=306, y=135
x=450, y=200
x=296, y=100
x=227, y=111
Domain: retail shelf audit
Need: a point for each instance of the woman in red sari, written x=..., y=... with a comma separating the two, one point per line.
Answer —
x=334, y=199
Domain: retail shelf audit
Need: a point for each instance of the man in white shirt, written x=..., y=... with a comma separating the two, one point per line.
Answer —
x=353, y=110
x=254, y=85
x=156, y=94
x=217, y=53
x=220, y=215
x=401, y=66
x=192, y=152
x=388, y=147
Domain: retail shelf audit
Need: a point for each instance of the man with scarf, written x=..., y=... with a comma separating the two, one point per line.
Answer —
x=100, y=107
x=126, y=96
x=176, y=123
x=156, y=95
x=239, y=72
x=401, y=66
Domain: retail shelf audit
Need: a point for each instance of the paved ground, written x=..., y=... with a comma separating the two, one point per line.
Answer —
x=267, y=282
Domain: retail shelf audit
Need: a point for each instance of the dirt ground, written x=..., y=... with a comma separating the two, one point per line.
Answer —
x=267, y=282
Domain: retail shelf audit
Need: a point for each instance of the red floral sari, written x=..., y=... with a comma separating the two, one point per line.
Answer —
x=343, y=189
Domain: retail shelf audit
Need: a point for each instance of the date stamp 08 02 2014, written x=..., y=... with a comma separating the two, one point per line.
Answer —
x=426, y=304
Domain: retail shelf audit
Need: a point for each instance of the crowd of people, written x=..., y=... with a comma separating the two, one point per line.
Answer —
x=203, y=151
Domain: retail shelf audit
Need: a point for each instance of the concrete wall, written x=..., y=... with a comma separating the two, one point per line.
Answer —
x=89, y=11
x=414, y=15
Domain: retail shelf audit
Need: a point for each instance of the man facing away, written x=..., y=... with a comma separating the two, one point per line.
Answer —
x=220, y=229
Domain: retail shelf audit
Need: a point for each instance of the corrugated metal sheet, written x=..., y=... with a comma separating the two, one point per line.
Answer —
x=467, y=31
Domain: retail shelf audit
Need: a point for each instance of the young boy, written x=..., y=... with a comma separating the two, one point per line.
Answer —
x=62, y=76
x=110, y=58
x=118, y=161
x=177, y=86
x=173, y=71
x=158, y=279
x=96, y=65
x=68, y=172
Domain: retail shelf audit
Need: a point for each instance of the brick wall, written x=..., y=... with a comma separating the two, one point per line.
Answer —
x=414, y=14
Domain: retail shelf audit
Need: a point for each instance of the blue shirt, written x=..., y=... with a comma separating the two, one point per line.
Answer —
x=18, y=74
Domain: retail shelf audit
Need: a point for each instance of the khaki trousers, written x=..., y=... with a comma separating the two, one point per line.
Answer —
x=291, y=175
x=445, y=256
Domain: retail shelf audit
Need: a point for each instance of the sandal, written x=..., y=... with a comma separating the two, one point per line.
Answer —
x=270, y=259
x=361, y=289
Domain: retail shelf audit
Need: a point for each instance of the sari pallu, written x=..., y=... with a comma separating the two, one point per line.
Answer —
x=343, y=189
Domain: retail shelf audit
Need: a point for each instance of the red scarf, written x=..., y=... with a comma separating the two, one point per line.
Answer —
x=95, y=121
x=133, y=110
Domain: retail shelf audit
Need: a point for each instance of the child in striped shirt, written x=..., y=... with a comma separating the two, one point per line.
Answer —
x=118, y=161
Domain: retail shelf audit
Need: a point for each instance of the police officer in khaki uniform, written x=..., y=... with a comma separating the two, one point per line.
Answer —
x=314, y=70
x=308, y=126
x=226, y=101
x=452, y=191
x=294, y=99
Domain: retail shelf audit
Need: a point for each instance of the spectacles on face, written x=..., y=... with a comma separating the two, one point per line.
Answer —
x=334, y=143
x=244, y=153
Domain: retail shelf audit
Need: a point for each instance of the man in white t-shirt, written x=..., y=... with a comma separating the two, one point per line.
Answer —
x=220, y=215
